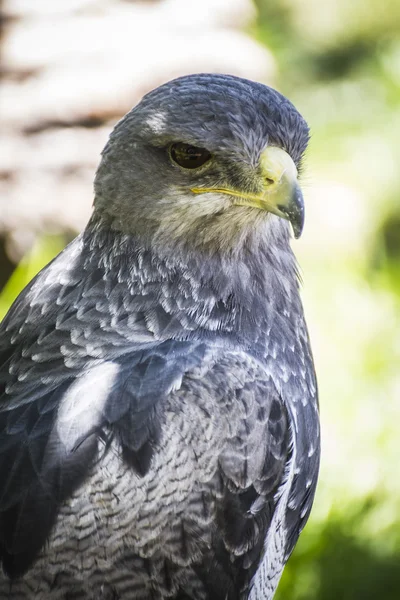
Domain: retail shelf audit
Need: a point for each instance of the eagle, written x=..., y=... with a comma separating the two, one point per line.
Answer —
x=159, y=428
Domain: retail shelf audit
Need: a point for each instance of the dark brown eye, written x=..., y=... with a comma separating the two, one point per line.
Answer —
x=189, y=157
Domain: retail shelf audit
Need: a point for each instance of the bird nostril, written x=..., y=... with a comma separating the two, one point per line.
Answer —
x=269, y=180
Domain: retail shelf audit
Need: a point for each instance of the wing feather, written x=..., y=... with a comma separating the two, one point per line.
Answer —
x=69, y=378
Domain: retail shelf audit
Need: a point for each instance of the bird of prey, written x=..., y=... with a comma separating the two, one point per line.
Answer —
x=159, y=431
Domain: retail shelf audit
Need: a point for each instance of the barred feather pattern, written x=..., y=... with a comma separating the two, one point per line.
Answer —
x=159, y=425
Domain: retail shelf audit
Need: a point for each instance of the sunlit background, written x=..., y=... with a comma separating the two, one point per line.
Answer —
x=72, y=68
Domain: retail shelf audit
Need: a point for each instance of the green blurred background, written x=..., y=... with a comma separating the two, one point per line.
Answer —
x=339, y=62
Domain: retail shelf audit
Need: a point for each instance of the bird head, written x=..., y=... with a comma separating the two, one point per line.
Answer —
x=207, y=159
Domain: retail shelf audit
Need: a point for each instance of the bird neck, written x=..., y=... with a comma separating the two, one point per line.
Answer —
x=201, y=293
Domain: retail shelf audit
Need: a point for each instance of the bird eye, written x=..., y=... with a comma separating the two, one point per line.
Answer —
x=187, y=156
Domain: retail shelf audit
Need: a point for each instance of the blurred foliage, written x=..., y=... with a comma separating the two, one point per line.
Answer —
x=338, y=562
x=339, y=62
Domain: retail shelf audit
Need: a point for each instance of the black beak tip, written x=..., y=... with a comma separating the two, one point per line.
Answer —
x=294, y=212
x=297, y=222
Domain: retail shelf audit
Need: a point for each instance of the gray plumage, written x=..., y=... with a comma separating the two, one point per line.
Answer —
x=159, y=431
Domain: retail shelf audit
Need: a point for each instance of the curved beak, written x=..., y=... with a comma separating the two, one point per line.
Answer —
x=282, y=194
x=280, y=191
